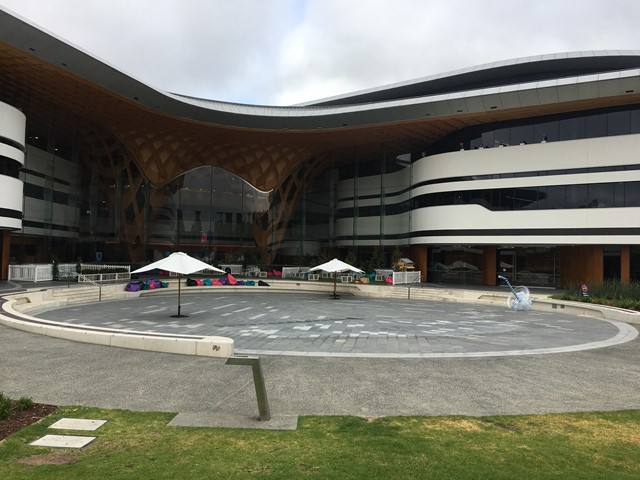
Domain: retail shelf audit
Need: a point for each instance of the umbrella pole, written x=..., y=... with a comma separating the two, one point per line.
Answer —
x=335, y=295
x=178, y=315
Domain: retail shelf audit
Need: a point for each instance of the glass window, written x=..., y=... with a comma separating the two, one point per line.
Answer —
x=596, y=125
x=524, y=198
x=542, y=198
x=555, y=196
x=522, y=134
x=576, y=196
x=632, y=194
x=487, y=139
x=618, y=194
x=502, y=136
x=635, y=121
x=619, y=123
x=601, y=195
x=547, y=130
x=571, y=129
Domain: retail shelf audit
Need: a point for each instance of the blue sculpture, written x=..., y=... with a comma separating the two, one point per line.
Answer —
x=519, y=298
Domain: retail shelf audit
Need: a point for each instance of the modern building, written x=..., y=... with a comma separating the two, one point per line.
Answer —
x=529, y=168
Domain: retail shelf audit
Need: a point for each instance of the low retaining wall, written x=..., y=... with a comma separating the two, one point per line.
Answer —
x=14, y=316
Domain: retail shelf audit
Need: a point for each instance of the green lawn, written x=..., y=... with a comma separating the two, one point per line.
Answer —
x=142, y=446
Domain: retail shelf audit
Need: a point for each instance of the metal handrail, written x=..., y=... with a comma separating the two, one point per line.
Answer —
x=418, y=279
x=87, y=280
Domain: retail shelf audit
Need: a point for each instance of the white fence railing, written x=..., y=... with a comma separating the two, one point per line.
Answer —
x=403, y=278
x=294, y=272
x=104, y=277
x=43, y=272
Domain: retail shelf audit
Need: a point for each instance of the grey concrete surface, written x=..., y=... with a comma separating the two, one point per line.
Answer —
x=308, y=324
x=206, y=392
x=67, y=373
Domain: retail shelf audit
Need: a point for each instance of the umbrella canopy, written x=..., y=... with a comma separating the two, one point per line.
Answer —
x=180, y=263
x=335, y=266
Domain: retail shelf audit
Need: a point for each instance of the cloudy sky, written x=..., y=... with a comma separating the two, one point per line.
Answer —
x=283, y=52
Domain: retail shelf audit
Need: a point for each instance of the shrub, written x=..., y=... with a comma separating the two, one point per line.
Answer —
x=24, y=403
x=5, y=407
x=614, y=294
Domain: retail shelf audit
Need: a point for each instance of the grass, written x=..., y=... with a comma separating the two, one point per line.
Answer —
x=141, y=446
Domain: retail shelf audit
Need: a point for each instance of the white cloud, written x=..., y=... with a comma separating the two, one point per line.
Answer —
x=290, y=51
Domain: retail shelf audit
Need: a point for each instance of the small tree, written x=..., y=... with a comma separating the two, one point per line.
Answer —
x=396, y=255
x=55, y=270
x=351, y=258
x=378, y=259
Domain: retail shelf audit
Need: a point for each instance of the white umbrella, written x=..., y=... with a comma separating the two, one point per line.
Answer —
x=334, y=266
x=180, y=263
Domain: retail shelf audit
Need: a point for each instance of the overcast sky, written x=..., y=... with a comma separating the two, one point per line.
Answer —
x=283, y=52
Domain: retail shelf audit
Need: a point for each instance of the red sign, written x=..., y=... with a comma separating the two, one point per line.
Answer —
x=585, y=290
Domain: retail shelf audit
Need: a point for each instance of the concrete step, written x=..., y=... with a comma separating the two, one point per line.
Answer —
x=81, y=294
x=432, y=294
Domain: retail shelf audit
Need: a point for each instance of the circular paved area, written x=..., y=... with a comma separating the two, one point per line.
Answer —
x=313, y=324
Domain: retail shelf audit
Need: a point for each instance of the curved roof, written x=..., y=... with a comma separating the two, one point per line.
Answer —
x=170, y=133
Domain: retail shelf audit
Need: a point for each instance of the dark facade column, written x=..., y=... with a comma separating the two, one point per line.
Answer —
x=5, y=248
x=582, y=263
x=489, y=272
x=625, y=264
x=418, y=254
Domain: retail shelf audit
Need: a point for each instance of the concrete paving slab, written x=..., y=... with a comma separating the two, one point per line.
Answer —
x=63, y=441
x=78, y=424
x=304, y=324
x=220, y=420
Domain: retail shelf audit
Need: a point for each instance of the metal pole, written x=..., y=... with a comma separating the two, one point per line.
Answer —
x=258, y=380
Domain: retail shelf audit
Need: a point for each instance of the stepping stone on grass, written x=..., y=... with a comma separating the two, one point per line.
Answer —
x=78, y=424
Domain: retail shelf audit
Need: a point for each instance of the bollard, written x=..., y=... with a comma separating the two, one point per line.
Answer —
x=258, y=380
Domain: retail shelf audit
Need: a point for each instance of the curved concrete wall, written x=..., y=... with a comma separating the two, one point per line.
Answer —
x=12, y=148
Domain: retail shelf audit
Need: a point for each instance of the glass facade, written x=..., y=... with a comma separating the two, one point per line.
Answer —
x=85, y=196
x=556, y=128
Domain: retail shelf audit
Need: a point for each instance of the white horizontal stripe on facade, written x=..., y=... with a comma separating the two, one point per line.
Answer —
x=12, y=124
x=474, y=217
x=11, y=152
x=523, y=240
x=11, y=197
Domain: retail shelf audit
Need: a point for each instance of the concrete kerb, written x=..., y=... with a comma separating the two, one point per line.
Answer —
x=14, y=316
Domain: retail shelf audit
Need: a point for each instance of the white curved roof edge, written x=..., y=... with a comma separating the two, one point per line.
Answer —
x=480, y=67
x=282, y=117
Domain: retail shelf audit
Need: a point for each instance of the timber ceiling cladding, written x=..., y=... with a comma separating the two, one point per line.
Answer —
x=169, y=134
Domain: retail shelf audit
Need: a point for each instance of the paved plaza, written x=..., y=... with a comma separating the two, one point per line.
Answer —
x=313, y=324
x=353, y=356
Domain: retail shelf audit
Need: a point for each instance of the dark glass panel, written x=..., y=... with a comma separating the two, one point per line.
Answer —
x=524, y=198
x=618, y=194
x=632, y=194
x=576, y=196
x=635, y=121
x=572, y=128
x=522, y=134
x=546, y=130
x=487, y=139
x=601, y=195
x=502, y=136
x=619, y=123
x=596, y=125
x=555, y=196
x=542, y=198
